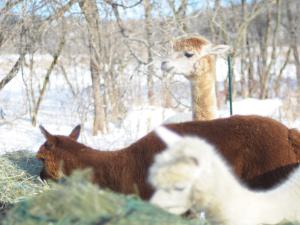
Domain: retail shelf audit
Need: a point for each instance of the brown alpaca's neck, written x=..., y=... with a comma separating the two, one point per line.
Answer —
x=122, y=170
x=106, y=164
x=204, y=102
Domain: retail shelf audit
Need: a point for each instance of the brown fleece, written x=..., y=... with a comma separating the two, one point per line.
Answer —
x=258, y=148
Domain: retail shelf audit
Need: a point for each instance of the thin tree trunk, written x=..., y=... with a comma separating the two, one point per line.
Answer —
x=277, y=82
x=297, y=64
x=46, y=80
x=262, y=66
x=98, y=125
x=268, y=66
x=244, y=85
x=64, y=72
x=150, y=68
x=90, y=11
x=13, y=72
x=166, y=85
x=250, y=69
x=292, y=28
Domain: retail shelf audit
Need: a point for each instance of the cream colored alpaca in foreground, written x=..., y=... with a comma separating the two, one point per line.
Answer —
x=190, y=174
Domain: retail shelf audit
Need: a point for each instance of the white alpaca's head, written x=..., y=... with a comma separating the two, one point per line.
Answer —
x=188, y=53
x=176, y=169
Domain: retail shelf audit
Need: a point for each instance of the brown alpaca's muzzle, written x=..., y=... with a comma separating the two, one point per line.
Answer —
x=44, y=175
x=40, y=155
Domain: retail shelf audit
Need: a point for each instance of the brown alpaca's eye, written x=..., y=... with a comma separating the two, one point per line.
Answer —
x=188, y=54
x=48, y=145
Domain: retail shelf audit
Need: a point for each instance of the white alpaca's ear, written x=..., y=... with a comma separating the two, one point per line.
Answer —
x=168, y=136
x=212, y=49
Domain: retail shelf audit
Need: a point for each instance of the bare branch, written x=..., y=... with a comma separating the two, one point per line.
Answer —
x=113, y=4
x=8, y=6
x=13, y=72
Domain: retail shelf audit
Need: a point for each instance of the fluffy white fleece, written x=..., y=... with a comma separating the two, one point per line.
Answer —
x=191, y=174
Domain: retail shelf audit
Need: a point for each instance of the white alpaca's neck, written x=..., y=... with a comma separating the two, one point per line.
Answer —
x=204, y=101
x=231, y=203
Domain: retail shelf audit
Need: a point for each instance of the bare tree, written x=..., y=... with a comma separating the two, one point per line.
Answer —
x=13, y=72
x=293, y=30
x=270, y=38
x=278, y=79
x=179, y=14
x=90, y=11
x=26, y=26
x=237, y=30
x=42, y=91
x=148, y=33
x=119, y=49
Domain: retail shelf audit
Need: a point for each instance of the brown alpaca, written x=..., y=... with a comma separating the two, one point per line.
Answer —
x=194, y=57
x=254, y=146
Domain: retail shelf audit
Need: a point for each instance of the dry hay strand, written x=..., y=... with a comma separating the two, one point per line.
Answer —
x=19, y=177
x=77, y=201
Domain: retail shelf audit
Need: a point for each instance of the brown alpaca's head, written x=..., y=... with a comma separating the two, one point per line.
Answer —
x=56, y=151
x=188, y=53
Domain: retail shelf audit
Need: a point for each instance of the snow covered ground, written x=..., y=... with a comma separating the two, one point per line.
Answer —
x=60, y=112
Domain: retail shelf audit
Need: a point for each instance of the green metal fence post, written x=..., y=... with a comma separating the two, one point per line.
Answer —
x=229, y=58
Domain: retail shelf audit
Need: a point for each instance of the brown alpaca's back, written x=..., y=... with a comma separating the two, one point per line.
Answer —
x=254, y=146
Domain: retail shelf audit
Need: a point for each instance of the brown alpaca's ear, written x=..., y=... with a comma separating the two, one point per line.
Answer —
x=45, y=132
x=75, y=133
x=49, y=137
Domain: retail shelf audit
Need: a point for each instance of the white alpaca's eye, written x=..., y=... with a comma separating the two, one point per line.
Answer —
x=178, y=188
x=188, y=54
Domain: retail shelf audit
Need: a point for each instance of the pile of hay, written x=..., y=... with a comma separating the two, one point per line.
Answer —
x=19, y=177
x=77, y=201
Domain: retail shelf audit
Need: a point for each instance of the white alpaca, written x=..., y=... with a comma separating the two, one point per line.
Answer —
x=190, y=174
x=194, y=58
